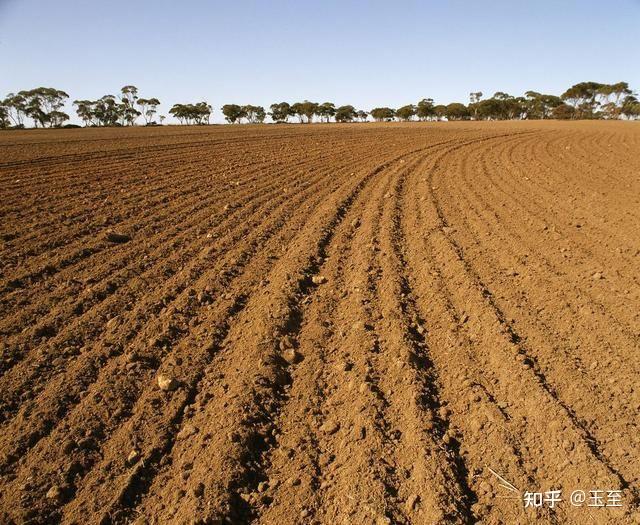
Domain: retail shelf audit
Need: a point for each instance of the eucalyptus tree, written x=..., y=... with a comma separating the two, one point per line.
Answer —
x=582, y=97
x=16, y=108
x=148, y=108
x=4, y=117
x=326, y=110
x=232, y=113
x=564, y=112
x=44, y=106
x=129, y=95
x=539, y=105
x=382, y=114
x=474, y=100
x=362, y=115
x=630, y=107
x=424, y=109
x=487, y=109
x=202, y=112
x=128, y=98
x=296, y=110
x=253, y=114
x=345, y=113
x=456, y=111
x=85, y=109
x=309, y=110
x=305, y=111
x=406, y=113
x=280, y=112
x=185, y=113
x=128, y=114
x=107, y=110
x=475, y=96
x=612, y=107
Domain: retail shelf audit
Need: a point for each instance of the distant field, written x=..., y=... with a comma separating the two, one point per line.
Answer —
x=338, y=324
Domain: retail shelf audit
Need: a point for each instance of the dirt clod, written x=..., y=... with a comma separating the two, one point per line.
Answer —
x=330, y=427
x=167, y=383
x=133, y=456
x=54, y=493
x=292, y=356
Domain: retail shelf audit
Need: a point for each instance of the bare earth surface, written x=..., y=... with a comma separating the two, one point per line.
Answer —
x=319, y=324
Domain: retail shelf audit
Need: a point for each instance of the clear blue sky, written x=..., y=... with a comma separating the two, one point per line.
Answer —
x=365, y=53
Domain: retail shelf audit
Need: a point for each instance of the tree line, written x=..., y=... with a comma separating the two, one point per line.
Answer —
x=43, y=107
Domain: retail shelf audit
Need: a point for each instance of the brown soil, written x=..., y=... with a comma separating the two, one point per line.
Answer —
x=319, y=324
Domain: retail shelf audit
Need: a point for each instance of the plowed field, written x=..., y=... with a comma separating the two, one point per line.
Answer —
x=319, y=324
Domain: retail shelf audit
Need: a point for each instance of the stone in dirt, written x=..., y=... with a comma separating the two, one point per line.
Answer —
x=330, y=427
x=291, y=356
x=187, y=431
x=54, y=493
x=411, y=502
x=318, y=279
x=286, y=342
x=118, y=238
x=133, y=456
x=167, y=383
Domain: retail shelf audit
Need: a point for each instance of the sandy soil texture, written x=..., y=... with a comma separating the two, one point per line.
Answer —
x=324, y=324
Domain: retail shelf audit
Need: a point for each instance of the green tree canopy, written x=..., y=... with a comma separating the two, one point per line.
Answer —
x=424, y=109
x=44, y=106
x=406, y=112
x=382, y=114
x=456, y=111
x=326, y=110
x=148, y=107
x=253, y=114
x=362, y=115
x=232, y=113
x=345, y=114
x=280, y=112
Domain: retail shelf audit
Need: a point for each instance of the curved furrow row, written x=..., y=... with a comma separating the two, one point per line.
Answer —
x=152, y=178
x=571, y=271
x=203, y=215
x=388, y=323
x=134, y=151
x=232, y=262
x=518, y=377
x=236, y=416
x=363, y=470
x=583, y=391
x=306, y=459
x=335, y=453
x=551, y=264
x=123, y=216
x=479, y=425
x=612, y=336
x=604, y=187
x=149, y=358
x=221, y=237
x=547, y=209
